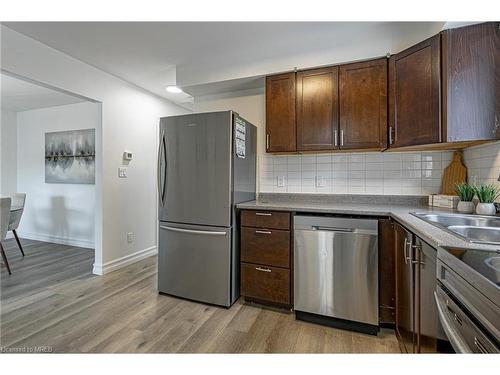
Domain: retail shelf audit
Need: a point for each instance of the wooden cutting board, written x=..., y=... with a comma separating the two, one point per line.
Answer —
x=453, y=174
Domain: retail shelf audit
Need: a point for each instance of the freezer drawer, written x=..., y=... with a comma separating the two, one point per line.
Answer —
x=336, y=268
x=194, y=262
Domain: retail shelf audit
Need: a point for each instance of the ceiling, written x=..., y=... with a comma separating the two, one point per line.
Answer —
x=212, y=57
x=18, y=95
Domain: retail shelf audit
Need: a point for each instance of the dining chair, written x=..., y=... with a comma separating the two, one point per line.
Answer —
x=4, y=226
x=18, y=200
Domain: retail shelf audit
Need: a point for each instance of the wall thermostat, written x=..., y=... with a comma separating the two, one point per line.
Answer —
x=127, y=155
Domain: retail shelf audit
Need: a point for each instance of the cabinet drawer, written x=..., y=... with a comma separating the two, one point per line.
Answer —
x=265, y=219
x=265, y=283
x=265, y=246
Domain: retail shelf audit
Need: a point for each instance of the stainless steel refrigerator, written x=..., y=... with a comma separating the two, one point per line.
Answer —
x=206, y=165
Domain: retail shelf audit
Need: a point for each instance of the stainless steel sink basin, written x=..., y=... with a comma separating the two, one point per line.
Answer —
x=457, y=219
x=493, y=262
x=477, y=234
x=473, y=228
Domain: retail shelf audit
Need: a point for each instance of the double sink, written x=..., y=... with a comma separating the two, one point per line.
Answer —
x=473, y=228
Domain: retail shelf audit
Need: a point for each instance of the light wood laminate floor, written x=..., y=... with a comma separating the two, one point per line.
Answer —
x=52, y=299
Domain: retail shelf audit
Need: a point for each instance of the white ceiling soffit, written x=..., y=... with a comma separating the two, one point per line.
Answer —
x=241, y=86
x=204, y=54
x=18, y=95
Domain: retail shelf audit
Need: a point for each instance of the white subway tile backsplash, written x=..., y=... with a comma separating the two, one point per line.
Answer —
x=324, y=159
x=357, y=190
x=340, y=158
x=357, y=174
x=357, y=166
x=279, y=160
x=294, y=167
x=308, y=175
x=324, y=167
x=367, y=173
x=308, y=159
x=357, y=158
x=339, y=175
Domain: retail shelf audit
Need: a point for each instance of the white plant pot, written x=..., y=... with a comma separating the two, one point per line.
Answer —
x=485, y=209
x=465, y=207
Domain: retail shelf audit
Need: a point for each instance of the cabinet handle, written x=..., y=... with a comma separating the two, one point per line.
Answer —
x=480, y=345
x=267, y=141
x=341, y=137
x=263, y=232
x=407, y=254
x=335, y=137
x=418, y=248
x=263, y=269
x=390, y=136
x=263, y=214
x=457, y=319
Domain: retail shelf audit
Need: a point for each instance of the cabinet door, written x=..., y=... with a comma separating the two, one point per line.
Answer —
x=471, y=82
x=405, y=326
x=280, y=113
x=317, y=109
x=425, y=305
x=363, y=105
x=414, y=95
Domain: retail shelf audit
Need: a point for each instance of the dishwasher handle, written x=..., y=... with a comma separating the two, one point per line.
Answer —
x=332, y=229
x=344, y=230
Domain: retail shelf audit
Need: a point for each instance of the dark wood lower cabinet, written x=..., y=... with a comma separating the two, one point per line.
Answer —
x=405, y=320
x=265, y=283
x=425, y=306
x=416, y=313
x=265, y=246
x=265, y=219
x=266, y=261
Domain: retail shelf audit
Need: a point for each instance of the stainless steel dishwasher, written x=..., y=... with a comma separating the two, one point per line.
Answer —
x=336, y=272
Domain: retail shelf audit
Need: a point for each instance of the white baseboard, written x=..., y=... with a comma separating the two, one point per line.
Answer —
x=124, y=261
x=54, y=239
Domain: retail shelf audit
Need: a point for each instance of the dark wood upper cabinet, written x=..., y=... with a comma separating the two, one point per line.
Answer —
x=471, y=82
x=317, y=109
x=414, y=94
x=363, y=105
x=280, y=113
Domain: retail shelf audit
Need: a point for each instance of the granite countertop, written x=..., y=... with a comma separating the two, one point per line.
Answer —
x=396, y=207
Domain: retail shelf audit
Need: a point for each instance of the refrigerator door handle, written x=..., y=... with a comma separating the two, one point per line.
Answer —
x=191, y=231
x=161, y=189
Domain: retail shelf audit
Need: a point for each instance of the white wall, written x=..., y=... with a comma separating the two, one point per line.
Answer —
x=129, y=122
x=61, y=213
x=483, y=164
x=8, y=155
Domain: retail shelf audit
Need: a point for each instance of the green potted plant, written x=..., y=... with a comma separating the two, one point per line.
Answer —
x=466, y=193
x=486, y=194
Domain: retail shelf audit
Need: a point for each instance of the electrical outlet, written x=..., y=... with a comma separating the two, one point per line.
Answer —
x=320, y=181
x=130, y=237
x=281, y=181
x=473, y=180
x=122, y=172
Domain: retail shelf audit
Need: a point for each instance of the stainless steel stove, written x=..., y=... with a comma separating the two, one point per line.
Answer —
x=468, y=298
